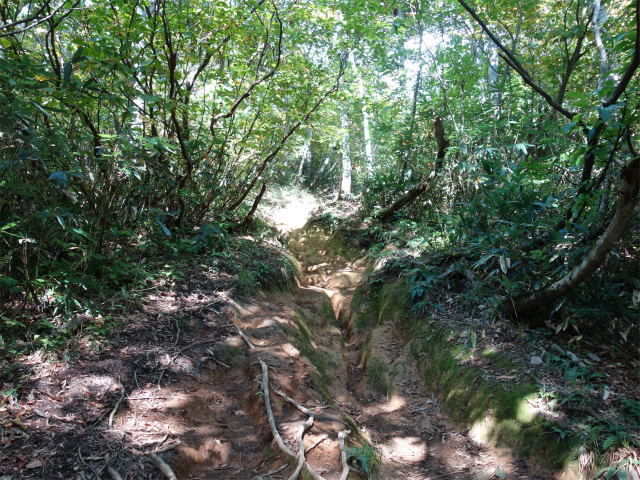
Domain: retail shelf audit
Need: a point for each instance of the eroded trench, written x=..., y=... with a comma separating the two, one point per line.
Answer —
x=193, y=391
x=364, y=379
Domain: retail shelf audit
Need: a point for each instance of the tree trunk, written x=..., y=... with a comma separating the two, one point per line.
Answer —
x=405, y=200
x=532, y=308
x=256, y=202
x=414, y=105
x=492, y=79
x=322, y=169
x=346, y=158
x=305, y=162
x=443, y=142
x=368, y=149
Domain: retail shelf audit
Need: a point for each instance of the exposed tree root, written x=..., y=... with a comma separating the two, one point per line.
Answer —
x=114, y=473
x=164, y=468
x=274, y=428
x=301, y=431
x=244, y=337
x=343, y=453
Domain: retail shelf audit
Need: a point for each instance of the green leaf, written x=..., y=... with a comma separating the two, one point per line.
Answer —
x=77, y=55
x=164, y=229
x=68, y=67
x=623, y=474
x=60, y=178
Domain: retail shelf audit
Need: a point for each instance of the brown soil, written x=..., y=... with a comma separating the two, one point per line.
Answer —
x=184, y=377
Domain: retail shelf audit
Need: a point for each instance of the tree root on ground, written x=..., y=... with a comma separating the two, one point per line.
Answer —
x=343, y=453
x=274, y=429
x=164, y=468
x=301, y=431
x=244, y=337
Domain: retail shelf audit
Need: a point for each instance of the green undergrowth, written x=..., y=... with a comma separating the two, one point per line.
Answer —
x=109, y=295
x=363, y=456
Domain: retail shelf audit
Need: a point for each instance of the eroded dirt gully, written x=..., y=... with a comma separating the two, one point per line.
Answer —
x=182, y=380
x=406, y=423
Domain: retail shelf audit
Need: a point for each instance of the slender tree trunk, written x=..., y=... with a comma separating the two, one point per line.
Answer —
x=414, y=105
x=305, y=162
x=368, y=149
x=443, y=142
x=256, y=202
x=346, y=157
x=492, y=79
x=532, y=308
x=322, y=169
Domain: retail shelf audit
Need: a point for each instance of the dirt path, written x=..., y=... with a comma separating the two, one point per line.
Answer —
x=184, y=380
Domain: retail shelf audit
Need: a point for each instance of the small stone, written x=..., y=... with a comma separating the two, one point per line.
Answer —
x=35, y=464
x=536, y=360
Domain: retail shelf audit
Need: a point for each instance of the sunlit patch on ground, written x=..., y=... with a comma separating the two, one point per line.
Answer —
x=409, y=449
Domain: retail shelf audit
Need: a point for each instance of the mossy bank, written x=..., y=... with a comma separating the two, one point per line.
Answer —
x=477, y=388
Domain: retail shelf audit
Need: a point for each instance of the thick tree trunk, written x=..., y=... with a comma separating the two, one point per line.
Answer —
x=531, y=309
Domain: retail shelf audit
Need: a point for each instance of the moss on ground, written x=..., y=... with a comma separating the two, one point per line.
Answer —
x=498, y=413
x=328, y=313
x=375, y=304
x=380, y=379
x=301, y=337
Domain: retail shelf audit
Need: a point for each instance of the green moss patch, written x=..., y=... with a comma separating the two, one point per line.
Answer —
x=301, y=337
x=495, y=412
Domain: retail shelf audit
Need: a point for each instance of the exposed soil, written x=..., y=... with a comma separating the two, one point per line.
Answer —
x=180, y=377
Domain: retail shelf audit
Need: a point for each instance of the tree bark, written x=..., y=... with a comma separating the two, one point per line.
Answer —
x=306, y=157
x=256, y=202
x=443, y=142
x=531, y=308
x=368, y=149
x=407, y=199
x=322, y=169
x=345, y=184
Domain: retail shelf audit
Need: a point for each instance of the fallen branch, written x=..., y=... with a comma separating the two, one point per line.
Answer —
x=343, y=453
x=167, y=447
x=164, y=468
x=115, y=409
x=244, y=337
x=272, y=422
x=317, y=442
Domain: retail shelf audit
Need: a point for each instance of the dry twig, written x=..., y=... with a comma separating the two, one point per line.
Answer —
x=317, y=442
x=115, y=409
x=114, y=473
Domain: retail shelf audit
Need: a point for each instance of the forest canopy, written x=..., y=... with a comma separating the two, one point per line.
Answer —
x=506, y=130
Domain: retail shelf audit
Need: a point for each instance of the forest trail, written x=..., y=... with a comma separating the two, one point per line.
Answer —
x=184, y=384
